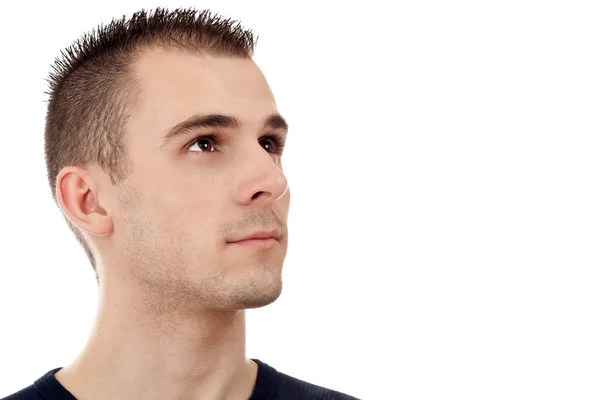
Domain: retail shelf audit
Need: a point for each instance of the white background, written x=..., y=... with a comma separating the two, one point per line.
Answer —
x=443, y=159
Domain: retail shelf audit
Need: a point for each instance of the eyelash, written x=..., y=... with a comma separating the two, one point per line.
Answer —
x=276, y=139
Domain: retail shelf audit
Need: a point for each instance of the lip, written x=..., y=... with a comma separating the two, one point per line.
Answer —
x=261, y=235
x=256, y=243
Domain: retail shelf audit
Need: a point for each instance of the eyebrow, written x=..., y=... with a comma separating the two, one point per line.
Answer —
x=198, y=121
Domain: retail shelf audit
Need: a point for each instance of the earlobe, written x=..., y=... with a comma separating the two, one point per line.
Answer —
x=77, y=195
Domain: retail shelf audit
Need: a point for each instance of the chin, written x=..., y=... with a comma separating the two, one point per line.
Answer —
x=260, y=301
x=253, y=294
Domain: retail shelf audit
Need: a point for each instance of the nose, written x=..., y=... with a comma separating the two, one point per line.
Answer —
x=262, y=180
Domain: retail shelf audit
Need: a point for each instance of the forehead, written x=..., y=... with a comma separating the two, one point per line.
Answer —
x=174, y=85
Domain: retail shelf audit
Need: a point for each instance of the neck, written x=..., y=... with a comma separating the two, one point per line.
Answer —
x=152, y=347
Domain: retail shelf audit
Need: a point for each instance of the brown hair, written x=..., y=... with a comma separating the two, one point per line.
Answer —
x=92, y=92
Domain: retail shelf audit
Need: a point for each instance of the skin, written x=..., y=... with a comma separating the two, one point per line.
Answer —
x=170, y=321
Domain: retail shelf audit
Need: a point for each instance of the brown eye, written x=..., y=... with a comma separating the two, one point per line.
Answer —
x=204, y=143
x=275, y=144
x=269, y=145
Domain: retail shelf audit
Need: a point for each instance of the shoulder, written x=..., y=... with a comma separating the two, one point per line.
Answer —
x=28, y=393
x=292, y=388
x=42, y=388
x=274, y=385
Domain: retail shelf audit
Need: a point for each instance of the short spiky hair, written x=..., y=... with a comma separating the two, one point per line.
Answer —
x=92, y=91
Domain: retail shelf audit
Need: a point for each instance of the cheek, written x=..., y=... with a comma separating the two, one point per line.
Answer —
x=194, y=211
x=187, y=201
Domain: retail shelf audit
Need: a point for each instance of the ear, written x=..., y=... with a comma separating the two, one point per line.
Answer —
x=78, y=196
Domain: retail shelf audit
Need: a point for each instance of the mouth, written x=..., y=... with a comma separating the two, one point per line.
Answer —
x=255, y=243
x=259, y=237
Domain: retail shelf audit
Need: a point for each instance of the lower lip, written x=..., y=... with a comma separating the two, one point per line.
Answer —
x=256, y=243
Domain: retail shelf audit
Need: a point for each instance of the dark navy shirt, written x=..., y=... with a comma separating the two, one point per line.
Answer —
x=270, y=385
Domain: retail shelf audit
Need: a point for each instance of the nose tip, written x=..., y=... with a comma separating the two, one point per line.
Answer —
x=272, y=187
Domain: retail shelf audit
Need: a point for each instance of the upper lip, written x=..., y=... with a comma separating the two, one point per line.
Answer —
x=264, y=234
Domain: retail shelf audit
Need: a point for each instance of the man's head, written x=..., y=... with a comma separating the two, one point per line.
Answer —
x=163, y=145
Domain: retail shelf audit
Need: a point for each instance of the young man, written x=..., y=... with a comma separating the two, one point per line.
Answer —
x=163, y=150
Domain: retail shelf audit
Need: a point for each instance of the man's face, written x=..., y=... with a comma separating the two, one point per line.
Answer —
x=188, y=197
